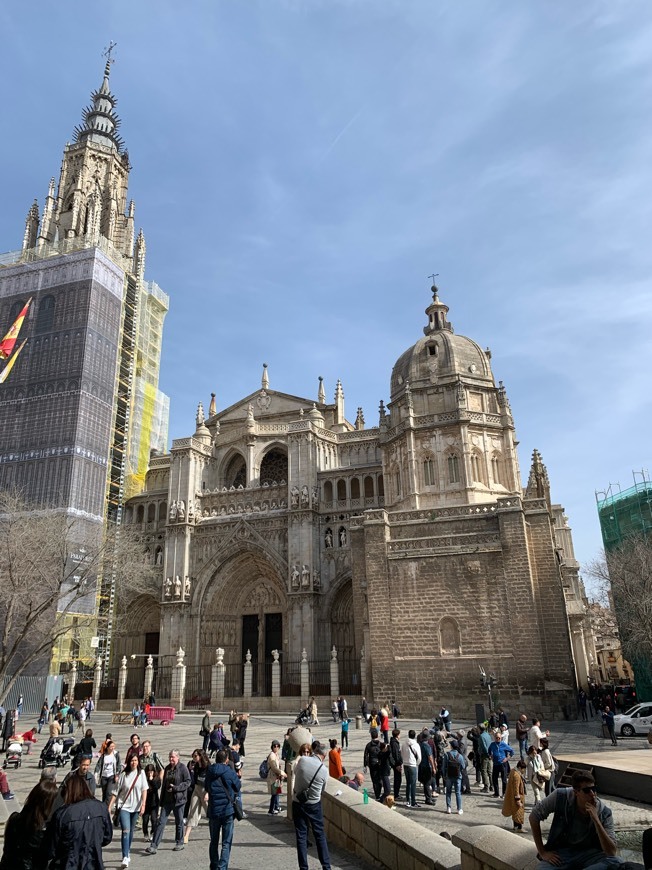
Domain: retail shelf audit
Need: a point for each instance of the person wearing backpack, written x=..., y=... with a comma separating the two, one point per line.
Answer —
x=376, y=759
x=453, y=765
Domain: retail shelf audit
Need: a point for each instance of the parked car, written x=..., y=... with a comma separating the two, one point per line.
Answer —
x=637, y=720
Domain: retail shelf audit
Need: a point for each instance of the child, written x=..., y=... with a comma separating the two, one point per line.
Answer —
x=152, y=801
x=345, y=733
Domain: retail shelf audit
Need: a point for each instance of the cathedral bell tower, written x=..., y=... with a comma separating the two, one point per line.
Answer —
x=90, y=203
x=450, y=436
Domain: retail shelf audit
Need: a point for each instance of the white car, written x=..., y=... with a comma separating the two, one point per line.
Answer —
x=636, y=720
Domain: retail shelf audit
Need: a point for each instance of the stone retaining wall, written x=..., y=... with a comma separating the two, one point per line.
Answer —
x=383, y=837
x=486, y=847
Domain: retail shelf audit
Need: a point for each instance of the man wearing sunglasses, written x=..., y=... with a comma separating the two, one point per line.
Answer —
x=582, y=833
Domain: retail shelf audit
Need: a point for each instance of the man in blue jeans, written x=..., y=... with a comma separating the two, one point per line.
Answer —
x=499, y=753
x=222, y=786
x=310, y=778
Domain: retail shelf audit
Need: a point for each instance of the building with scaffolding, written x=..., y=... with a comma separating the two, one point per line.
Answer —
x=82, y=408
x=625, y=514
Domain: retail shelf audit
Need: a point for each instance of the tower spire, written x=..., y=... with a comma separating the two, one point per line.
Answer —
x=99, y=120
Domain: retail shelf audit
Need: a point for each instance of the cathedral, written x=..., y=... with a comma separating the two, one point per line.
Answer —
x=410, y=547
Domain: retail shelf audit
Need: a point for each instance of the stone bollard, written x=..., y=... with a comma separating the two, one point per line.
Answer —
x=276, y=674
x=218, y=673
x=247, y=675
x=335, y=674
x=97, y=679
x=72, y=681
x=122, y=683
x=149, y=677
x=179, y=682
x=358, y=723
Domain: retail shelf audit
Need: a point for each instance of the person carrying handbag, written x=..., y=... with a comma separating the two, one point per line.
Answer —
x=130, y=803
x=106, y=770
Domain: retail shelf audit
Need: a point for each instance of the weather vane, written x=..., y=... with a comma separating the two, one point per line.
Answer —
x=108, y=51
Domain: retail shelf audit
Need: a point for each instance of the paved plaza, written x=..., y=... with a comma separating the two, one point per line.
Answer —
x=269, y=840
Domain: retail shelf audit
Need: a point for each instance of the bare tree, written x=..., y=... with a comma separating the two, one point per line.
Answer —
x=624, y=576
x=50, y=563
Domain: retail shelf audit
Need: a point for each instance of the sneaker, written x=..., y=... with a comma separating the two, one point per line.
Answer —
x=150, y=850
x=125, y=863
x=408, y=804
x=449, y=810
x=460, y=812
x=415, y=805
x=8, y=796
x=179, y=847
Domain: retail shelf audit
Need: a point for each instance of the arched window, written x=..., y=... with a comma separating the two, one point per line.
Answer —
x=429, y=471
x=274, y=467
x=341, y=490
x=453, y=464
x=477, y=468
x=381, y=486
x=45, y=315
x=140, y=514
x=495, y=468
x=449, y=637
x=328, y=492
x=15, y=310
x=355, y=488
x=151, y=513
x=368, y=487
x=236, y=472
x=163, y=512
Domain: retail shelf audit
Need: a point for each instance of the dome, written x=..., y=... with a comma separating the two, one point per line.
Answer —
x=440, y=355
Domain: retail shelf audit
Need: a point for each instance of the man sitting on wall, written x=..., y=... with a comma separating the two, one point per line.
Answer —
x=582, y=835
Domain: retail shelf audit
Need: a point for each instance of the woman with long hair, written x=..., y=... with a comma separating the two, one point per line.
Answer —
x=108, y=769
x=514, y=800
x=130, y=800
x=25, y=845
x=200, y=765
x=79, y=829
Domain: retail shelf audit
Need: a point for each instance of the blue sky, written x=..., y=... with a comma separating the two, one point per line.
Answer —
x=301, y=166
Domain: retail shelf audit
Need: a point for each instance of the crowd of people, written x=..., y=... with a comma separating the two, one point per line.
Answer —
x=138, y=790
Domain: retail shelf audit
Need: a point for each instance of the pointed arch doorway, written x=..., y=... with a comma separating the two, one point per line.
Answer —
x=343, y=639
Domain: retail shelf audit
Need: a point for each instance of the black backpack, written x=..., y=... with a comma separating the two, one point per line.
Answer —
x=373, y=751
x=454, y=767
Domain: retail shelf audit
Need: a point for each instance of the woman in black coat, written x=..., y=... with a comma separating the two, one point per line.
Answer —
x=79, y=829
x=25, y=847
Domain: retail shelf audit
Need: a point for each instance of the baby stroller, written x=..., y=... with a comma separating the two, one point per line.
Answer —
x=303, y=718
x=14, y=756
x=51, y=752
x=66, y=752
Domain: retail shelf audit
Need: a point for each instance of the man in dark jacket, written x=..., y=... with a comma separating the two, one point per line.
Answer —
x=376, y=758
x=222, y=786
x=396, y=762
x=83, y=772
x=174, y=790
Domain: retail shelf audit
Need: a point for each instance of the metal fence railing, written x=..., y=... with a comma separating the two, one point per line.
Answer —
x=198, y=687
x=320, y=677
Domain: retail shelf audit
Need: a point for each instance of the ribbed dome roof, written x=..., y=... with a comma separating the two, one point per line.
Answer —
x=440, y=355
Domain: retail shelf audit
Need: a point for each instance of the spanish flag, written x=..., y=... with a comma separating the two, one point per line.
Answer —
x=9, y=341
x=4, y=374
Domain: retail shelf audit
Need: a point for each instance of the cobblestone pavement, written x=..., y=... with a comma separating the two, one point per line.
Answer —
x=267, y=840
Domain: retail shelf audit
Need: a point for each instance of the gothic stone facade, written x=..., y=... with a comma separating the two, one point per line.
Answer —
x=411, y=547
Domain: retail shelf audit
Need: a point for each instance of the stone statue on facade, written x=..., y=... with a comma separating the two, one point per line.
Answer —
x=295, y=496
x=305, y=576
x=181, y=509
x=186, y=587
x=191, y=511
x=328, y=539
x=305, y=497
x=294, y=577
x=316, y=580
x=342, y=537
x=173, y=511
x=168, y=587
x=177, y=587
